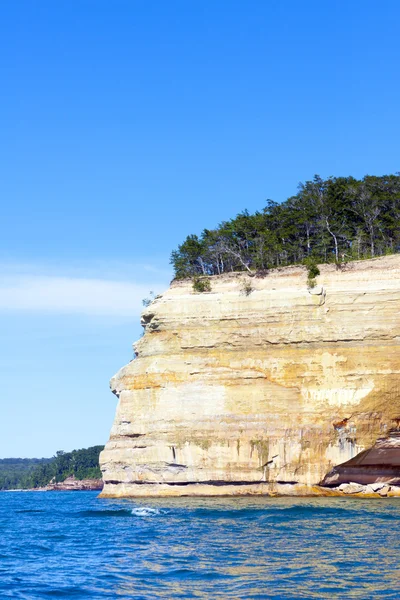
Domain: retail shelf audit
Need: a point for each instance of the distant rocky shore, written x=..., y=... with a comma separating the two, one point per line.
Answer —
x=71, y=484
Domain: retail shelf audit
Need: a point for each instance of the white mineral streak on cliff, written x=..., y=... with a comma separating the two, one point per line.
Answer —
x=231, y=393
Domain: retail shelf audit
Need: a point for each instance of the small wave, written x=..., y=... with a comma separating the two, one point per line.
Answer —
x=236, y=513
x=13, y=491
x=140, y=511
x=31, y=510
x=104, y=513
x=145, y=511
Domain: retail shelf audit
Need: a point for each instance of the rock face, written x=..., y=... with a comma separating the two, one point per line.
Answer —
x=71, y=484
x=381, y=463
x=243, y=392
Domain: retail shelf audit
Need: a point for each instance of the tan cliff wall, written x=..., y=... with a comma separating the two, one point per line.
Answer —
x=230, y=392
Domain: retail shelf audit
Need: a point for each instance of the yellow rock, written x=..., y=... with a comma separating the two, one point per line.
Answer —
x=233, y=394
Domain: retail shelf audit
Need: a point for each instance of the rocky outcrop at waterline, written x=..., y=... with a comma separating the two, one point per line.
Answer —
x=379, y=464
x=259, y=385
x=72, y=484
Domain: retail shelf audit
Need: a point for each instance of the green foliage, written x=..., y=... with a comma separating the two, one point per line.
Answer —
x=312, y=272
x=333, y=220
x=247, y=288
x=201, y=285
x=22, y=473
x=147, y=301
x=15, y=472
x=187, y=260
x=311, y=283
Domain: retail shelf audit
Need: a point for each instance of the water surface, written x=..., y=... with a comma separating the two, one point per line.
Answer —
x=74, y=545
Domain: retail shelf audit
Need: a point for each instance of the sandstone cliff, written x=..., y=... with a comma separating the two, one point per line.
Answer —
x=240, y=391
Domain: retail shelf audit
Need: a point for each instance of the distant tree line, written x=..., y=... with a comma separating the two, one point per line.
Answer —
x=27, y=473
x=14, y=472
x=328, y=220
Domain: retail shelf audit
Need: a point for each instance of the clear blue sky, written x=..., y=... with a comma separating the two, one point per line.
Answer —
x=126, y=125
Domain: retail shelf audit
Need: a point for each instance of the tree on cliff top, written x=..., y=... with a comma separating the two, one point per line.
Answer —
x=327, y=220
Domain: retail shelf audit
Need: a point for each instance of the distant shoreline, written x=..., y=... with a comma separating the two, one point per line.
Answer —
x=70, y=484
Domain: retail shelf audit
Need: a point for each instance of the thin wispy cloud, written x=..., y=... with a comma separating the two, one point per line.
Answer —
x=32, y=292
x=140, y=271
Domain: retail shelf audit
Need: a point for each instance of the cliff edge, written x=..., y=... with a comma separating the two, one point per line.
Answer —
x=258, y=384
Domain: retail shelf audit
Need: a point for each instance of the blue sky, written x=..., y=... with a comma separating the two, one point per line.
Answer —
x=126, y=125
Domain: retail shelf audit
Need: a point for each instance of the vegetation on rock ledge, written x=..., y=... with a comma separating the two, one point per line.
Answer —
x=201, y=285
x=331, y=220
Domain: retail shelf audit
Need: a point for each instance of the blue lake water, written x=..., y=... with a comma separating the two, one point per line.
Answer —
x=74, y=545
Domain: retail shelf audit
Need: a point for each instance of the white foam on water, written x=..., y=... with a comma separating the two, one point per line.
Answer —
x=145, y=511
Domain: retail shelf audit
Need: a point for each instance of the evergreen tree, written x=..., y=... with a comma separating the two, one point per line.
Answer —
x=332, y=220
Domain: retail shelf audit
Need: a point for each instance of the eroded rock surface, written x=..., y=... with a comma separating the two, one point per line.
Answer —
x=376, y=466
x=237, y=393
x=71, y=484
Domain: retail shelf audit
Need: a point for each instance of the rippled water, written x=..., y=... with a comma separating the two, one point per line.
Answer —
x=75, y=545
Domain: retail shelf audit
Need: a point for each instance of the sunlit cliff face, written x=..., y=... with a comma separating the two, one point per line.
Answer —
x=233, y=391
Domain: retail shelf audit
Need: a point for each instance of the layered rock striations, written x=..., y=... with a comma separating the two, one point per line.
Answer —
x=258, y=384
x=71, y=484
